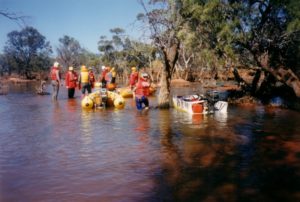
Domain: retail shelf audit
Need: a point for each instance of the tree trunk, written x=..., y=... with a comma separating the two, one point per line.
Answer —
x=285, y=75
x=255, y=81
x=170, y=57
x=164, y=92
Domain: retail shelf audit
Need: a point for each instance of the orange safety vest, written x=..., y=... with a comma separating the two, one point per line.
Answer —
x=53, y=74
x=142, y=88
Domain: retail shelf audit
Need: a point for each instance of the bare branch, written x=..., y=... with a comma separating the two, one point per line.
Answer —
x=19, y=19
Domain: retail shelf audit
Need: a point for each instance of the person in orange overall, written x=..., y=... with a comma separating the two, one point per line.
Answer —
x=142, y=91
x=55, y=80
x=71, y=82
x=133, y=78
x=92, y=77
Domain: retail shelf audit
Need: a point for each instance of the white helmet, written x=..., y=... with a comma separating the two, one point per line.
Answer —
x=144, y=75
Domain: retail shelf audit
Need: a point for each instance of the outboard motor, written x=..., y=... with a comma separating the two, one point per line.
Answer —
x=104, y=96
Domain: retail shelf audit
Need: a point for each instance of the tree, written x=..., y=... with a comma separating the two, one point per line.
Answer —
x=69, y=52
x=263, y=34
x=27, y=51
x=164, y=23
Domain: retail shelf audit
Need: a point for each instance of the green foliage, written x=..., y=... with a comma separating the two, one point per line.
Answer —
x=26, y=52
x=123, y=53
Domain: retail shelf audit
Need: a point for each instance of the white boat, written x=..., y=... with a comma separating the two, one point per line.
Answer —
x=195, y=104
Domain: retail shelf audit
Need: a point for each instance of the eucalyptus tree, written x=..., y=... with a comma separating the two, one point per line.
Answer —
x=164, y=22
x=270, y=32
x=27, y=51
x=263, y=34
x=70, y=52
x=211, y=33
x=105, y=46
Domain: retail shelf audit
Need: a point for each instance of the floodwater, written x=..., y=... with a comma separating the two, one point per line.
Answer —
x=55, y=151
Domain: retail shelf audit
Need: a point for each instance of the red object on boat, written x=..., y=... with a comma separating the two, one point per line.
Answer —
x=197, y=108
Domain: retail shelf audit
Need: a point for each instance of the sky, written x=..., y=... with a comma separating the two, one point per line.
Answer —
x=84, y=20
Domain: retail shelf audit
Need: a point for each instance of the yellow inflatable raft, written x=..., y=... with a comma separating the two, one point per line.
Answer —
x=126, y=92
x=115, y=100
x=87, y=103
x=94, y=100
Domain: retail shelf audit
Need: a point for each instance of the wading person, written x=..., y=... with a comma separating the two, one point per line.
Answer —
x=55, y=80
x=71, y=82
x=92, y=77
x=111, y=79
x=84, y=81
x=142, y=91
x=103, y=76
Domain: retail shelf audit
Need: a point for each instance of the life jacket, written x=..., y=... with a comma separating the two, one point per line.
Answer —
x=84, y=77
x=133, y=78
x=53, y=74
x=142, y=88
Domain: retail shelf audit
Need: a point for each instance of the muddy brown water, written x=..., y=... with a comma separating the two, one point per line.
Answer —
x=55, y=151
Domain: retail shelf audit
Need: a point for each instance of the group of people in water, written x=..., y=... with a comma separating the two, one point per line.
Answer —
x=139, y=82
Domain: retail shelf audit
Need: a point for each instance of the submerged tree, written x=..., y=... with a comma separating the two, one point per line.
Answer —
x=164, y=23
x=27, y=51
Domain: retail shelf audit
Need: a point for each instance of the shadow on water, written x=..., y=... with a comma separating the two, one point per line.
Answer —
x=55, y=151
x=230, y=158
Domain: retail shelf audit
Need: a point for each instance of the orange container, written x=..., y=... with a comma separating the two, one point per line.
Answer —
x=197, y=108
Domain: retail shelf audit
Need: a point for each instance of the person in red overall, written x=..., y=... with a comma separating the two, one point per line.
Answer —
x=142, y=91
x=92, y=77
x=55, y=80
x=133, y=78
x=71, y=82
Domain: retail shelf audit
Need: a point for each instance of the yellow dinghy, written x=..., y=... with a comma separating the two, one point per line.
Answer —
x=87, y=102
x=103, y=98
x=115, y=100
x=126, y=92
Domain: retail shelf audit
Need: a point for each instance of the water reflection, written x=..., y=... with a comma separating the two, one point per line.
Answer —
x=221, y=118
x=86, y=127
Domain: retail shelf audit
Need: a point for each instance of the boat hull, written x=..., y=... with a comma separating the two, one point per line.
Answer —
x=193, y=105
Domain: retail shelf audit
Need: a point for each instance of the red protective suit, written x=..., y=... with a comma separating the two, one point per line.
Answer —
x=92, y=79
x=71, y=79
